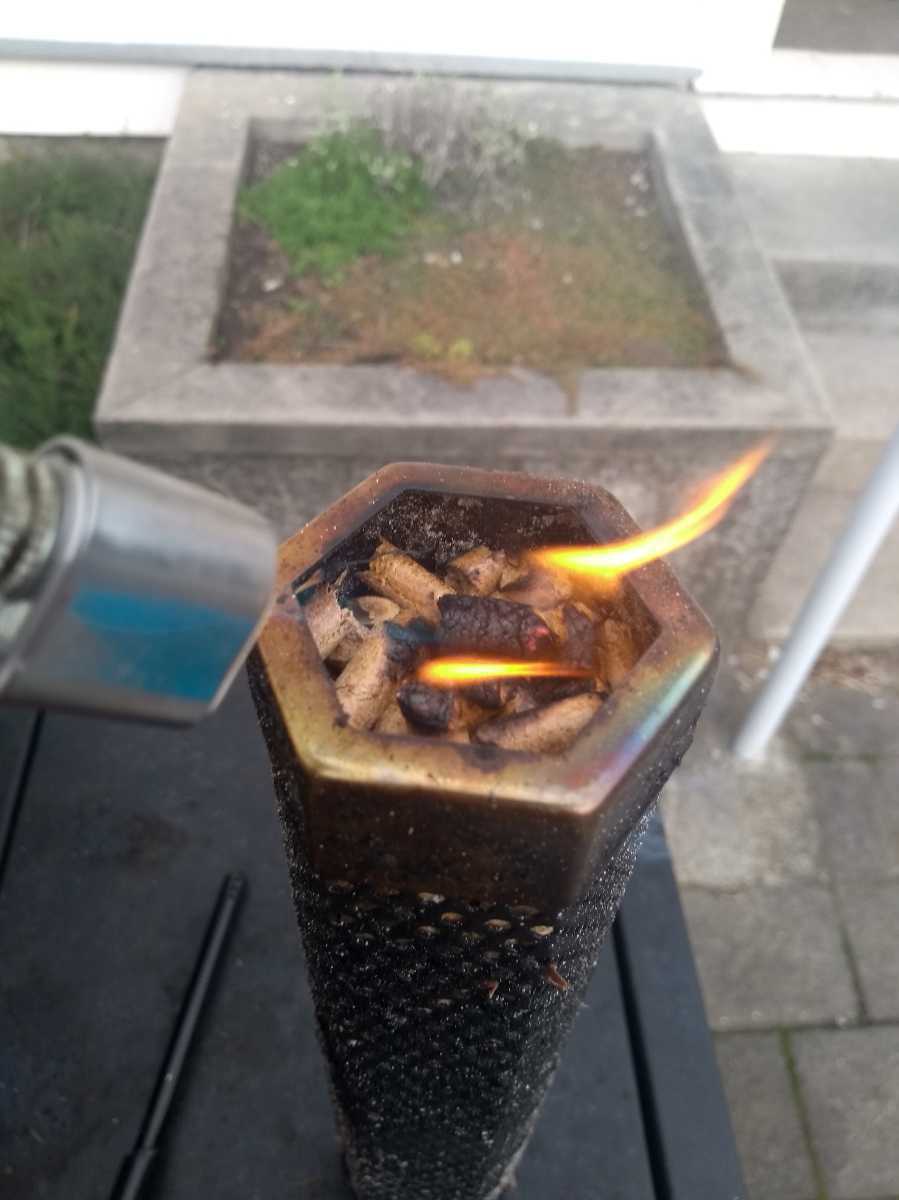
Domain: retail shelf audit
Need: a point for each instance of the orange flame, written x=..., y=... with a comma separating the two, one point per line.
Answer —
x=451, y=672
x=618, y=558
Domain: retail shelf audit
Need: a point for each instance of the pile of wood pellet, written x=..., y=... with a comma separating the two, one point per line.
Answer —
x=375, y=627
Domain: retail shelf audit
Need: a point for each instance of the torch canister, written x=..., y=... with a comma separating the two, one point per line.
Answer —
x=453, y=898
x=124, y=591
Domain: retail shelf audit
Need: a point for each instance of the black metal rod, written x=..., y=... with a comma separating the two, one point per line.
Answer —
x=135, y=1168
x=13, y=787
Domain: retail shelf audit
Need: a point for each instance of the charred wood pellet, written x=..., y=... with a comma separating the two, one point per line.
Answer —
x=428, y=708
x=580, y=638
x=556, y=622
x=538, y=588
x=618, y=653
x=375, y=610
x=484, y=625
x=348, y=644
x=546, y=691
x=326, y=618
x=478, y=572
x=488, y=693
x=411, y=631
x=366, y=684
x=512, y=571
x=518, y=696
x=548, y=730
x=392, y=720
x=400, y=578
x=488, y=606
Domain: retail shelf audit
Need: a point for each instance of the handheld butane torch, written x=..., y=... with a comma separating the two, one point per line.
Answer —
x=123, y=591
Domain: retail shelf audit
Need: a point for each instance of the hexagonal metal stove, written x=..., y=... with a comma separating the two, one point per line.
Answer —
x=453, y=898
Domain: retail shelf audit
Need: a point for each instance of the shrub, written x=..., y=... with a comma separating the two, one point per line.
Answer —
x=68, y=226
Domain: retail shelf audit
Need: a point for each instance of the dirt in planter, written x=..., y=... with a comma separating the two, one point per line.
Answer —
x=575, y=268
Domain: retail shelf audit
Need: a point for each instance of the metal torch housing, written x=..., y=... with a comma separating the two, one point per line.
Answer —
x=453, y=898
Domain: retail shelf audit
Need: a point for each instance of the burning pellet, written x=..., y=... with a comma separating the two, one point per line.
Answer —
x=547, y=730
x=487, y=694
x=477, y=572
x=484, y=625
x=618, y=653
x=578, y=647
x=427, y=708
x=555, y=619
x=539, y=589
x=326, y=618
x=377, y=609
x=400, y=578
x=365, y=686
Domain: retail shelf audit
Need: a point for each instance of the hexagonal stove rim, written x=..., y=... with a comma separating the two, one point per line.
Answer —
x=575, y=784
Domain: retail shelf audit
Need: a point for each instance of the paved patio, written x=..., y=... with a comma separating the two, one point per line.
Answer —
x=789, y=873
x=789, y=869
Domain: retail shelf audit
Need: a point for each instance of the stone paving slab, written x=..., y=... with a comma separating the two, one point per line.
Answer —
x=731, y=825
x=765, y=1118
x=850, y=1087
x=770, y=957
x=871, y=915
x=859, y=818
x=833, y=721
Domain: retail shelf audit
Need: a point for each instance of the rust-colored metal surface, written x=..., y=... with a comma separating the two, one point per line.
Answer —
x=412, y=813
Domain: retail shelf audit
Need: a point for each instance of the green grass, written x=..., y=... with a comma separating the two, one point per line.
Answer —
x=68, y=228
x=341, y=196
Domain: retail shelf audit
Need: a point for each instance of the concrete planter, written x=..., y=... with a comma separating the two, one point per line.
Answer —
x=291, y=439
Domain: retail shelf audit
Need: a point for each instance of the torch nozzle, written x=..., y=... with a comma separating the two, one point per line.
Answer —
x=29, y=517
x=122, y=590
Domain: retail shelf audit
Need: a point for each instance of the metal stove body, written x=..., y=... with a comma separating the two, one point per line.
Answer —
x=453, y=899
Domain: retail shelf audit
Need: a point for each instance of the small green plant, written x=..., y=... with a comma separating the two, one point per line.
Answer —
x=68, y=225
x=425, y=345
x=343, y=195
x=461, y=350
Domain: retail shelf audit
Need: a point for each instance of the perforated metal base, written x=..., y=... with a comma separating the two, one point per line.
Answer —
x=442, y=1021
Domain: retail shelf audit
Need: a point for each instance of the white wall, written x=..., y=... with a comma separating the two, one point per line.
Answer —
x=59, y=98
x=680, y=33
x=729, y=40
